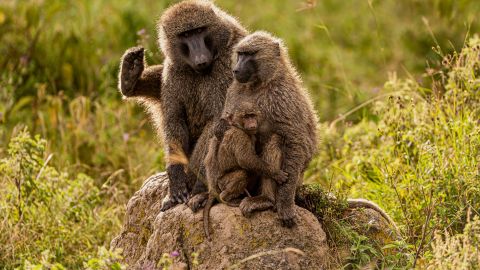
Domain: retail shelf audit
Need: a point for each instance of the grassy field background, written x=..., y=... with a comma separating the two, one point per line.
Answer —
x=398, y=116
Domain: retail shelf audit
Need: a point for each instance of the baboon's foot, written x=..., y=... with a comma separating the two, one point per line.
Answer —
x=287, y=217
x=198, y=201
x=249, y=205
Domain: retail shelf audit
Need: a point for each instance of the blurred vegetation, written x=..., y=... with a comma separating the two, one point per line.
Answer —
x=411, y=145
x=420, y=158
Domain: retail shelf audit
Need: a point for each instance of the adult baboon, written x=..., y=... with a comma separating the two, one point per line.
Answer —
x=230, y=159
x=263, y=73
x=187, y=93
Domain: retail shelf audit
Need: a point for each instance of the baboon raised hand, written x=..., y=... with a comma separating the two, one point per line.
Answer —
x=263, y=73
x=230, y=160
x=136, y=79
x=187, y=93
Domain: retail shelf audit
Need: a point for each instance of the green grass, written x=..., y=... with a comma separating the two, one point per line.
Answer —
x=410, y=144
x=419, y=157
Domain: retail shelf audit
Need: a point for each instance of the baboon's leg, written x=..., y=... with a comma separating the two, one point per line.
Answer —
x=196, y=167
x=233, y=185
x=196, y=175
x=271, y=154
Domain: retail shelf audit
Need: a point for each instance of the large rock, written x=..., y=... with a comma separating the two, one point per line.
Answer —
x=142, y=209
x=151, y=239
x=258, y=242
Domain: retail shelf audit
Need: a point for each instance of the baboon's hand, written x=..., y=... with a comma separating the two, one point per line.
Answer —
x=179, y=191
x=280, y=177
x=167, y=204
x=287, y=216
x=131, y=69
x=228, y=197
x=220, y=127
x=247, y=207
x=177, y=186
x=178, y=194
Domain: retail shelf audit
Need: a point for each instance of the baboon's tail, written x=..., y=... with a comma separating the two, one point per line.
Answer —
x=206, y=214
x=363, y=203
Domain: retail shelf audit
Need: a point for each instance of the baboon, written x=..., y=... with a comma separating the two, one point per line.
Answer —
x=187, y=93
x=263, y=73
x=364, y=203
x=230, y=159
x=313, y=198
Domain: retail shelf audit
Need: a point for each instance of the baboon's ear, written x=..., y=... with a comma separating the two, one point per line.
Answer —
x=230, y=35
x=229, y=118
x=276, y=48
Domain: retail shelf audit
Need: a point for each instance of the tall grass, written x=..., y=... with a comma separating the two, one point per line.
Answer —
x=420, y=158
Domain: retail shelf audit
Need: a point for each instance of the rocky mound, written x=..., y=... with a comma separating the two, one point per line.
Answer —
x=151, y=239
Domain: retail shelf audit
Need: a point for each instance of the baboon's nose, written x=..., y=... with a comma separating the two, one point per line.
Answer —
x=202, y=62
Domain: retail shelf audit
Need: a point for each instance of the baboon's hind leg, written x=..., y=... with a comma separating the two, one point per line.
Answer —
x=233, y=185
x=271, y=154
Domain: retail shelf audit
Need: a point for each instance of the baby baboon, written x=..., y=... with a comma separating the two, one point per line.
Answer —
x=188, y=91
x=229, y=160
x=263, y=73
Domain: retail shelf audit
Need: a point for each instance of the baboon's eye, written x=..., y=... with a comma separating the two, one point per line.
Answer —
x=250, y=115
x=188, y=33
x=184, y=49
x=208, y=42
x=247, y=53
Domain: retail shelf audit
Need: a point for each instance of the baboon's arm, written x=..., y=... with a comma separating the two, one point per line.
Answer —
x=293, y=164
x=136, y=79
x=149, y=84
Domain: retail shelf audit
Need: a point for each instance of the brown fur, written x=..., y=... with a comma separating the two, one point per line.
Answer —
x=228, y=161
x=278, y=92
x=181, y=101
x=271, y=154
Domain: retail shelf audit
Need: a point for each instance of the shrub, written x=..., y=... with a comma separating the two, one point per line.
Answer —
x=419, y=157
x=47, y=212
x=458, y=251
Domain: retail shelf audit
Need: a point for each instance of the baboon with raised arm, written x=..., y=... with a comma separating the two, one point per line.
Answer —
x=187, y=93
x=231, y=157
x=263, y=73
